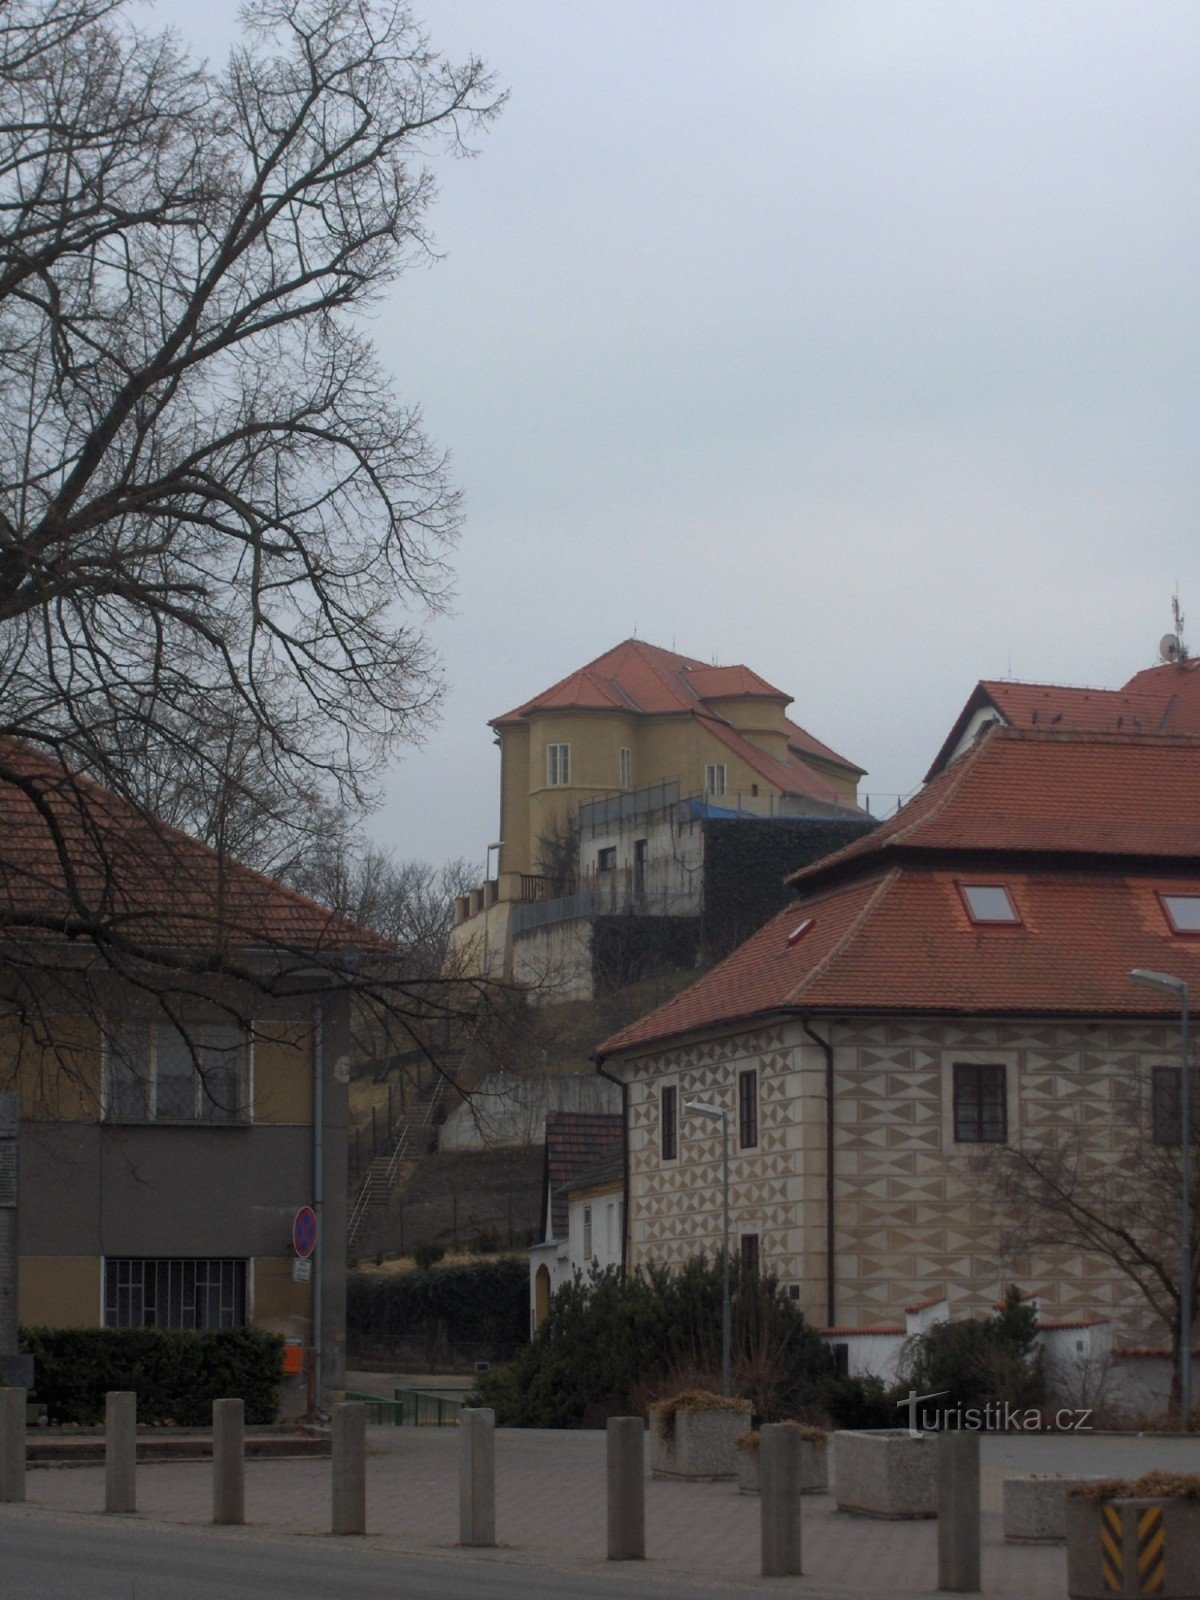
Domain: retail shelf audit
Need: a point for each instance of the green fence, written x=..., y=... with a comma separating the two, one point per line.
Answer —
x=410, y=1408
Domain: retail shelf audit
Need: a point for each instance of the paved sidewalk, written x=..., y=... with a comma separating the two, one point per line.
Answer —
x=551, y=1509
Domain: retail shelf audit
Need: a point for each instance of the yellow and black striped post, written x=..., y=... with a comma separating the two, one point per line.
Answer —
x=1151, y=1551
x=1112, y=1549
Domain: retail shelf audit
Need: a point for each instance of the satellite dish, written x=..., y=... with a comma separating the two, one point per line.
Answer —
x=1169, y=647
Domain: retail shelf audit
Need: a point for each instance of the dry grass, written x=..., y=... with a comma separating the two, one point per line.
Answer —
x=1150, y=1486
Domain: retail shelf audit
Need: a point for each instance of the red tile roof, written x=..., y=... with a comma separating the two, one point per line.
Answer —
x=890, y=931
x=642, y=678
x=577, y=1143
x=120, y=873
x=1162, y=699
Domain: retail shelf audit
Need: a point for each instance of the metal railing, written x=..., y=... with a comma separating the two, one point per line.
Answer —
x=410, y=1408
x=381, y=1175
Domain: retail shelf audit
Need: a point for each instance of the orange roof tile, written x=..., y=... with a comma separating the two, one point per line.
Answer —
x=645, y=679
x=118, y=871
x=890, y=930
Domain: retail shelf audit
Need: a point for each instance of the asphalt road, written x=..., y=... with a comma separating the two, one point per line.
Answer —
x=46, y=1557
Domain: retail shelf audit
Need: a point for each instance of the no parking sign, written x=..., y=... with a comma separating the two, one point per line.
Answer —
x=304, y=1232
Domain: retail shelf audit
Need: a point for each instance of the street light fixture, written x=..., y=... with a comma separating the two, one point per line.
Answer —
x=1178, y=986
x=702, y=1109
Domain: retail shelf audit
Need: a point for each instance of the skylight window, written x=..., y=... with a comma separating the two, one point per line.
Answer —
x=800, y=930
x=1183, y=912
x=989, y=902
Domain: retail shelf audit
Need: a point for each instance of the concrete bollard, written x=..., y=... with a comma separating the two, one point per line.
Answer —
x=350, y=1467
x=229, y=1461
x=780, y=1490
x=12, y=1446
x=626, y=1489
x=120, y=1450
x=477, y=1477
x=958, y=1512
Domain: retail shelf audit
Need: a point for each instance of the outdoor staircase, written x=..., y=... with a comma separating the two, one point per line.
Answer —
x=380, y=1177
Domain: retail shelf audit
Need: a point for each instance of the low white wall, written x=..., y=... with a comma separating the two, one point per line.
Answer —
x=507, y=1110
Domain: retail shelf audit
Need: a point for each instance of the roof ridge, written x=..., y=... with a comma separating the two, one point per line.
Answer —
x=880, y=893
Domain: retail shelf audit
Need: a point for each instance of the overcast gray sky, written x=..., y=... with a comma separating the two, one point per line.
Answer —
x=854, y=341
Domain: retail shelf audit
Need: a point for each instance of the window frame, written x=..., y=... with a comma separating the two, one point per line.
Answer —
x=558, y=765
x=170, y=1271
x=1165, y=896
x=1013, y=921
x=606, y=858
x=747, y=1111
x=977, y=1069
x=206, y=1111
x=666, y=1156
x=712, y=785
x=588, y=1252
x=625, y=767
x=750, y=1254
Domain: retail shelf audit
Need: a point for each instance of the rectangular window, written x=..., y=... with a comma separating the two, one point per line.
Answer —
x=558, y=765
x=668, y=1128
x=1183, y=912
x=980, y=1103
x=587, y=1233
x=748, y=1109
x=750, y=1255
x=714, y=778
x=186, y=1293
x=606, y=859
x=625, y=767
x=841, y=1360
x=989, y=902
x=159, y=1073
x=639, y=866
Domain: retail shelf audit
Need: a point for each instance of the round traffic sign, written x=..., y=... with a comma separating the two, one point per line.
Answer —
x=304, y=1231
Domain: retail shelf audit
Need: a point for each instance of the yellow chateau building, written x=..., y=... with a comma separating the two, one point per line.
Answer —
x=597, y=771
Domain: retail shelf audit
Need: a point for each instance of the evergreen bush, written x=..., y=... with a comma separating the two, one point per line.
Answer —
x=610, y=1345
x=977, y=1363
x=176, y=1375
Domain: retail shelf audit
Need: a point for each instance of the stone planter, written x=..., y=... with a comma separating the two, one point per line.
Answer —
x=701, y=1443
x=1035, y=1508
x=885, y=1472
x=1118, y=1547
x=814, y=1467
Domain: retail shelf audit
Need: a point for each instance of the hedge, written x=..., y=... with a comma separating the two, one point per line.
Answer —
x=481, y=1302
x=175, y=1375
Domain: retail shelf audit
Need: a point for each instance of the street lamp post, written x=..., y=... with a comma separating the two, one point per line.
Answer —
x=702, y=1109
x=487, y=902
x=1178, y=986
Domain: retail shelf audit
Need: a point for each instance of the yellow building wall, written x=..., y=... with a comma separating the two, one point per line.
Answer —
x=281, y=1306
x=57, y=1077
x=60, y=1292
x=283, y=1072
x=515, y=854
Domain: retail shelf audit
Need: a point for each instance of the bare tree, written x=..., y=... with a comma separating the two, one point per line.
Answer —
x=221, y=532
x=212, y=506
x=1119, y=1202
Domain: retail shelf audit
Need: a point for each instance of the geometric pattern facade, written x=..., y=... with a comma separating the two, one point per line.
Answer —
x=914, y=1214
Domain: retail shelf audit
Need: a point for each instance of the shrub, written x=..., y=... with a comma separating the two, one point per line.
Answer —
x=861, y=1402
x=175, y=1375
x=978, y=1362
x=428, y=1254
x=610, y=1344
x=480, y=1302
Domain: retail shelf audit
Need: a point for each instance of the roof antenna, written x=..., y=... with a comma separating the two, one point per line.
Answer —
x=1171, y=646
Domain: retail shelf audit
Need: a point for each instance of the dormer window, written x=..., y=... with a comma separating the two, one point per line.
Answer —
x=989, y=903
x=1182, y=912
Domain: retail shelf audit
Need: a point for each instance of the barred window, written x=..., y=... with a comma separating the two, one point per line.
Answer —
x=181, y=1293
